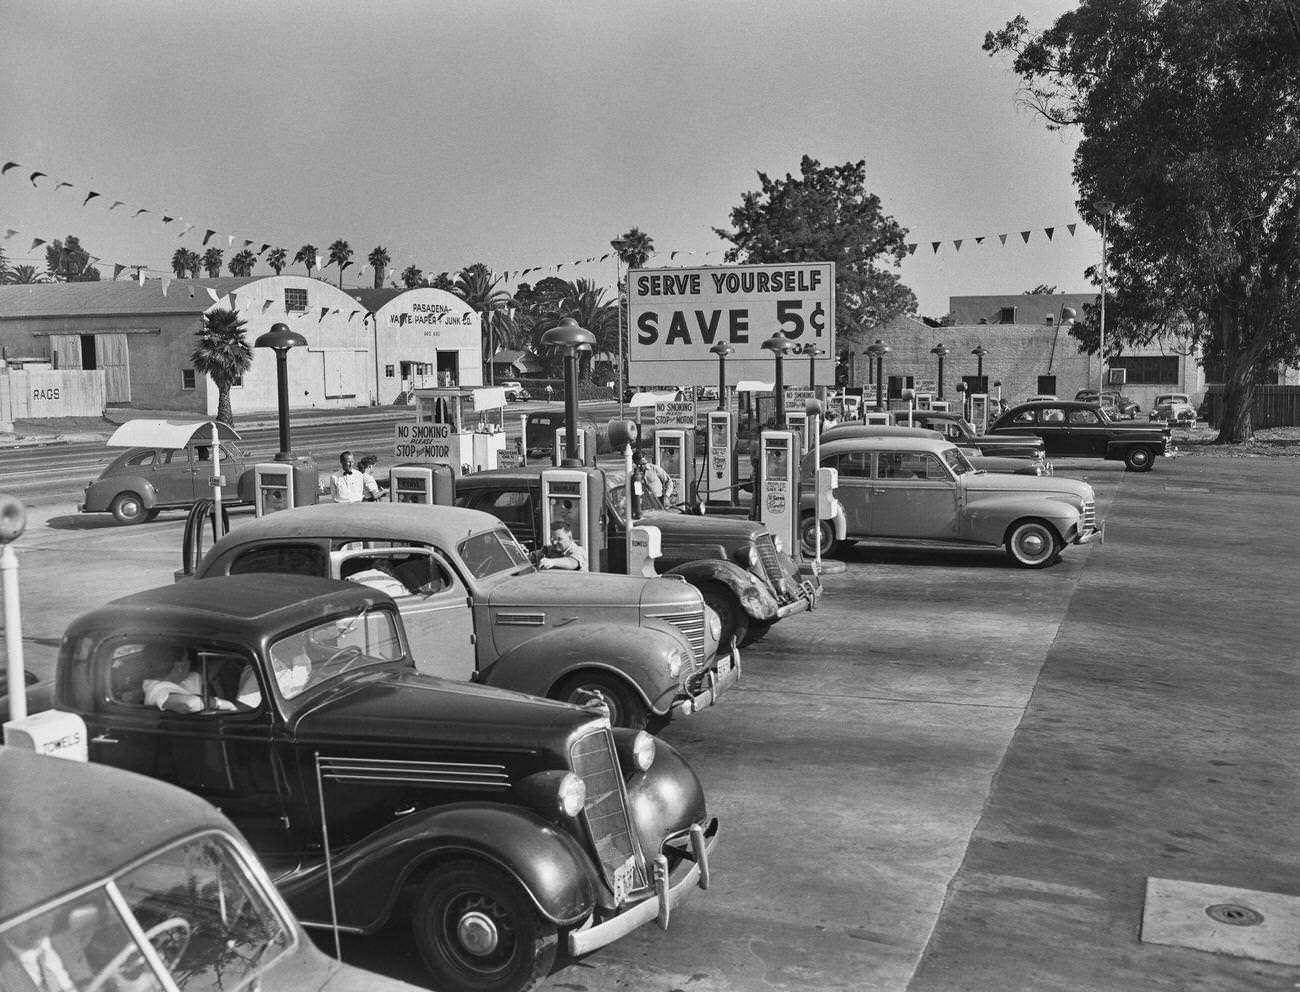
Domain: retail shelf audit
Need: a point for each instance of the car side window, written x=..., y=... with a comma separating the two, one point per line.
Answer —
x=399, y=573
x=1023, y=417
x=142, y=460
x=1054, y=415
x=509, y=506
x=295, y=559
x=1082, y=417
x=851, y=464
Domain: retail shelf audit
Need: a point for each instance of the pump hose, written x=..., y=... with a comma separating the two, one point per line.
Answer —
x=192, y=540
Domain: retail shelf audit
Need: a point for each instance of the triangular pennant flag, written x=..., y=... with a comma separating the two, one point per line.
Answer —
x=230, y=241
x=957, y=245
x=352, y=314
x=265, y=304
x=116, y=203
x=605, y=256
x=402, y=318
x=979, y=240
x=140, y=279
x=213, y=293
x=233, y=305
x=191, y=292
x=59, y=186
x=1070, y=228
x=672, y=255
x=89, y=196
x=188, y=228
x=1048, y=231
x=36, y=244
x=324, y=311
x=8, y=166
x=9, y=233
x=208, y=235
x=911, y=249
x=142, y=210
x=1025, y=235
x=34, y=176
x=935, y=246
x=117, y=271
x=247, y=243
x=166, y=282
x=166, y=219
x=1002, y=238
x=559, y=267
x=262, y=249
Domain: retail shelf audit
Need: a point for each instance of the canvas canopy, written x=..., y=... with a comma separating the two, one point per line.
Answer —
x=169, y=433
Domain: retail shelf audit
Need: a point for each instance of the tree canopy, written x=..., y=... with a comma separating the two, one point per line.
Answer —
x=826, y=215
x=1188, y=112
x=223, y=355
x=67, y=261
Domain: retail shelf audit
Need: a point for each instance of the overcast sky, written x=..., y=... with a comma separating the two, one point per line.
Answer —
x=524, y=134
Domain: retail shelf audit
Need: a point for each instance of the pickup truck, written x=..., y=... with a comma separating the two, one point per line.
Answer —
x=501, y=826
x=743, y=575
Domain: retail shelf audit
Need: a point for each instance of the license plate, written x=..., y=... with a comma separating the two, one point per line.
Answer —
x=624, y=880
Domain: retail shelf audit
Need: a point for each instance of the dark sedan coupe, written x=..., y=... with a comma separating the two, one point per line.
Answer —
x=957, y=429
x=1082, y=430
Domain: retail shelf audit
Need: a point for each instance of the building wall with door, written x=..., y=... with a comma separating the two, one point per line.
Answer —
x=425, y=337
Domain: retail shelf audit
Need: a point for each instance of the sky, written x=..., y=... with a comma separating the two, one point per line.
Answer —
x=524, y=135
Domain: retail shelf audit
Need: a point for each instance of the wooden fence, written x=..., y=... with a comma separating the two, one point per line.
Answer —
x=1274, y=406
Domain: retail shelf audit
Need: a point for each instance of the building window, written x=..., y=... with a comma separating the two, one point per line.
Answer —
x=187, y=378
x=1148, y=370
x=238, y=381
x=1006, y=315
x=1047, y=385
x=295, y=299
x=388, y=371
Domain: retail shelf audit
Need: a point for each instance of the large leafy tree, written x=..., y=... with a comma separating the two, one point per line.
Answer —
x=412, y=277
x=212, y=262
x=241, y=264
x=634, y=248
x=181, y=262
x=341, y=255
x=307, y=256
x=277, y=259
x=379, y=259
x=1188, y=112
x=67, y=261
x=479, y=286
x=223, y=355
x=825, y=214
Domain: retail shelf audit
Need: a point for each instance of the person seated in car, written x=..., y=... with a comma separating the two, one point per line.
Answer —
x=563, y=552
x=170, y=684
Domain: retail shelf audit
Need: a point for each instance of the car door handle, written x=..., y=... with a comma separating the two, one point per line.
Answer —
x=104, y=739
x=880, y=492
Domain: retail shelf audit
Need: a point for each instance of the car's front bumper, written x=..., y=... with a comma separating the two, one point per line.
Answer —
x=1093, y=534
x=667, y=896
x=722, y=676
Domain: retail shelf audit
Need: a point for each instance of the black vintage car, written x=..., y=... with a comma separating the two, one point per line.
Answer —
x=1082, y=430
x=957, y=429
x=505, y=826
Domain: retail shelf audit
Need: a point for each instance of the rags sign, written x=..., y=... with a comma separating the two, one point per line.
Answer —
x=676, y=315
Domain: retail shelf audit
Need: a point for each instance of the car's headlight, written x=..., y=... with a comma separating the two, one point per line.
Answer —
x=573, y=793
x=643, y=751
x=675, y=662
x=714, y=621
x=754, y=561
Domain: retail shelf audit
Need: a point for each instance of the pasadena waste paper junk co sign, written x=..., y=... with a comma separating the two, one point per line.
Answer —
x=676, y=315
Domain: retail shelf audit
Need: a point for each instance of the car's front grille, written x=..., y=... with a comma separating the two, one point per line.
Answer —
x=1089, y=521
x=605, y=815
x=692, y=625
x=783, y=582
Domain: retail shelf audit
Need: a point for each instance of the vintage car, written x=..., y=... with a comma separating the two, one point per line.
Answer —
x=114, y=882
x=918, y=491
x=1082, y=430
x=501, y=825
x=476, y=609
x=168, y=465
x=1036, y=464
x=960, y=432
x=515, y=392
x=743, y=575
x=1115, y=404
x=1174, y=408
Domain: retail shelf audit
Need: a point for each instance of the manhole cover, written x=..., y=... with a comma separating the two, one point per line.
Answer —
x=1234, y=914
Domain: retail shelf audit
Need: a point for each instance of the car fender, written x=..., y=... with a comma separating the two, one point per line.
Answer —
x=808, y=504
x=665, y=799
x=639, y=659
x=369, y=876
x=1118, y=448
x=101, y=492
x=754, y=593
x=986, y=521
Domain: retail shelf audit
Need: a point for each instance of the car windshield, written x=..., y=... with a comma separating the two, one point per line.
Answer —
x=958, y=462
x=307, y=658
x=491, y=552
x=615, y=482
x=203, y=911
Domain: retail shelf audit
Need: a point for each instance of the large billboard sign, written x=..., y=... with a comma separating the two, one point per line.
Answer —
x=676, y=315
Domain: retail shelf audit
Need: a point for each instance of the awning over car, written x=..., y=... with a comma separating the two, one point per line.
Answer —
x=168, y=433
x=650, y=399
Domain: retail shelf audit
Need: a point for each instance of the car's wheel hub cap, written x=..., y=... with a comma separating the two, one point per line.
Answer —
x=478, y=934
x=1033, y=544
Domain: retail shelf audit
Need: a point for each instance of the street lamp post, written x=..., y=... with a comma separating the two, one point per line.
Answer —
x=280, y=339
x=619, y=245
x=979, y=352
x=722, y=351
x=1105, y=208
x=779, y=346
x=571, y=339
x=939, y=351
x=879, y=350
x=812, y=351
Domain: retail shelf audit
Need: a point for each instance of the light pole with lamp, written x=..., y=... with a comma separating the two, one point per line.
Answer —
x=979, y=351
x=879, y=350
x=722, y=351
x=619, y=245
x=779, y=346
x=813, y=352
x=571, y=339
x=961, y=397
x=280, y=339
x=939, y=351
x=1105, y=208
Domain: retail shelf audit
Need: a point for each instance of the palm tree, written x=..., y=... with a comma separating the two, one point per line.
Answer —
x=193, y=263
x=242, y=264
x=223, y=355
x=477, y=286
x=583, y=301
x=25, y=275
x=411, y=278
x=379, y=259
x=444, y=281
x=634, y=248
x=212, y=262
x=307, y=256
x=341, y=255
x=180, y=262
x=276, y=259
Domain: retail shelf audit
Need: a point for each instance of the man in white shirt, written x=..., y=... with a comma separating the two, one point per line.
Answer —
x=349, y=484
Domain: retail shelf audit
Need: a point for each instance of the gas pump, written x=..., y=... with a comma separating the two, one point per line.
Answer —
x=720, y=458
x=797, y=421
x=586, y=445
x=273, y=487
x=674, y=452
x=424, y=485
x=778, y=498
x=567, y=498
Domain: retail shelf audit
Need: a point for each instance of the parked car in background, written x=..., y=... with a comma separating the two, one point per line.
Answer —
x=961, y=432
x=515, y=392
x=99, y=862
x=902, y=490
x=168, y=465
x=1116, y=405
x=498, y=826
x=1035, y=464
x=476, y=609
x=1083, y=430
x=1174, y=408
x=1041, y=398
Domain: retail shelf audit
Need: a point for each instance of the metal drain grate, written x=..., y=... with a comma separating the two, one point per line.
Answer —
x=1234, y=915
x=1241, y=923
